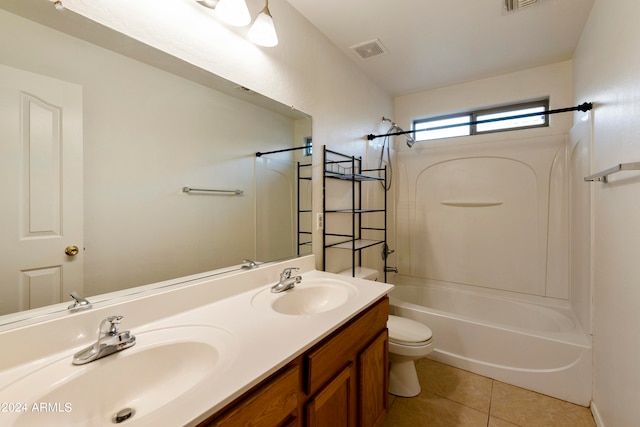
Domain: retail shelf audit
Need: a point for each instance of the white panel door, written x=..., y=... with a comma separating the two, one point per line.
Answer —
x=41, y=190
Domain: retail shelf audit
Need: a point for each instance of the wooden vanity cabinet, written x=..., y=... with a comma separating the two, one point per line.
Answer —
x=360, y=348
x=342, y=381
x=273, y=403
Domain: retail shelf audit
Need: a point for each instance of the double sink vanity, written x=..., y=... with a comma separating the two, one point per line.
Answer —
x=219, y=350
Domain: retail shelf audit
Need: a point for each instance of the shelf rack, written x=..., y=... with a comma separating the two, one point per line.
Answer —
x=343, y=167
x=304, y=236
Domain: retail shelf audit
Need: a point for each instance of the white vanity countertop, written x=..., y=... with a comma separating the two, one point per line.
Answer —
x=269, y=340
x=259, y=340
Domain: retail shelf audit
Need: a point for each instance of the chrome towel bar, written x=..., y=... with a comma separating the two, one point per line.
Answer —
x=603, y=176
x=205, y=190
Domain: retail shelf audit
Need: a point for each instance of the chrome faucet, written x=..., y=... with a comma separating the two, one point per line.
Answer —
x=247, y=264
x=286, y=281
x=110, y=341
x=80, y=303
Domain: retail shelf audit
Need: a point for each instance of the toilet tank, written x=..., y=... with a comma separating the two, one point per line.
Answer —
x=363, y=273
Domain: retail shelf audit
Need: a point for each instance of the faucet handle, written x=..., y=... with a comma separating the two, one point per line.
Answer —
x=286, y=273
x=110, y=325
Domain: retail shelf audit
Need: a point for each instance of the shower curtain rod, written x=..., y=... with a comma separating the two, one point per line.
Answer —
x=585, y=106
x=259, y=154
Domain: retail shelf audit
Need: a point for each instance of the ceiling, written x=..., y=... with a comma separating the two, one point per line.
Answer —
x=435, y=43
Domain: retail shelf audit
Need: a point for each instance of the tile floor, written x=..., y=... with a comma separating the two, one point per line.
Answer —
x=452, y=397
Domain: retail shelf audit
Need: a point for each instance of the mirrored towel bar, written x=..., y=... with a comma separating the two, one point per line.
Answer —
x=206, y=190
x=603, y=176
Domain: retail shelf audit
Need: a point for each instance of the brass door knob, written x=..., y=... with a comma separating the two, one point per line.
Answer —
x=71, y=250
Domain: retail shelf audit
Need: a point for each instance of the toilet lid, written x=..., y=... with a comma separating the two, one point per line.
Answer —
x=407, y=331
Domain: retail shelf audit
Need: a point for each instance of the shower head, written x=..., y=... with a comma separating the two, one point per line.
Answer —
x=410, y=141
x=395, y=128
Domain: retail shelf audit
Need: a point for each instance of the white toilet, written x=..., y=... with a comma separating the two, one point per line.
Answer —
x=409, y=341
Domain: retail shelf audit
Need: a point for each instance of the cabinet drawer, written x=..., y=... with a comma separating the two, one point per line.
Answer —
x=323, y=362
x=270, y=405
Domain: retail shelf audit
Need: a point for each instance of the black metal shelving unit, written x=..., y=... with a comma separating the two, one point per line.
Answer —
x=343, y=167
x=304, y=236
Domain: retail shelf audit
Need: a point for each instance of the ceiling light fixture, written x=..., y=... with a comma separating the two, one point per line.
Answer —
x=236, y=13
x=233, y=12
x=263, y=32
x=57, y=4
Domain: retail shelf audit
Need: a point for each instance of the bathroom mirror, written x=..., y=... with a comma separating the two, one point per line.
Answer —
x=100, y=136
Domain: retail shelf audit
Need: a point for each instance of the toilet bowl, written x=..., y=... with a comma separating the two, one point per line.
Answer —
x=408, y=341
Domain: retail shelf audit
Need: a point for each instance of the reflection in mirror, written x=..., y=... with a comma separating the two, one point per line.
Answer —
x=283, y=193
x=96, y=149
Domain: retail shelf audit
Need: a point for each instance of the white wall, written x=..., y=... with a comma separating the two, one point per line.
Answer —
x=607, y=72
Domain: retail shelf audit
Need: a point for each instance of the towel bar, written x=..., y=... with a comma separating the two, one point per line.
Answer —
x=603, y=176
x=189, y=190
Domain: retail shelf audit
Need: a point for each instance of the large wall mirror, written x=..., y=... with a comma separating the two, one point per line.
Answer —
x=100, y=134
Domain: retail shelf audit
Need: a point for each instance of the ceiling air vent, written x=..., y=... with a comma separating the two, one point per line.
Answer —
x=369, y=49
x=513, y=5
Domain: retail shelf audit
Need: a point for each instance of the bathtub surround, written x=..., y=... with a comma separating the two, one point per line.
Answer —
x=491, y=215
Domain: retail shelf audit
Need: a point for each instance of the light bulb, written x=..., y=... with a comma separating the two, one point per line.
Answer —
x=57, y=4
x=263, y=32
x=233, y=12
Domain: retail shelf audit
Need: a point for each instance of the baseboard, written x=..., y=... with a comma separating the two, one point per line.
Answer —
x=596, y=415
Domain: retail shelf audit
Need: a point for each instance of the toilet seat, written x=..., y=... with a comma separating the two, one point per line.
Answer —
x=408, y=332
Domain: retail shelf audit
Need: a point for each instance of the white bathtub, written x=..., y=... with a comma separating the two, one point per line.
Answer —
x=527, y=344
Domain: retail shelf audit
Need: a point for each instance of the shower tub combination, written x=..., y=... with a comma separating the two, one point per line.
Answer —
x=537, y=347
x=483, y=253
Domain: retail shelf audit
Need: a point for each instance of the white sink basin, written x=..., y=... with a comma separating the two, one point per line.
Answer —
x=311, y=296
x=164, y=365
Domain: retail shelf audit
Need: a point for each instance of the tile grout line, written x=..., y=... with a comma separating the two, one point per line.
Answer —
x=490, y=402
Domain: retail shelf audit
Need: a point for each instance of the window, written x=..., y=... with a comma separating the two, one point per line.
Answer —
x=471, y=123
x=443, y=127
x=308, y=146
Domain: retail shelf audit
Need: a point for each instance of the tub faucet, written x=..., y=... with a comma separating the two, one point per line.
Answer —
x=110, y=340
x=286, y=281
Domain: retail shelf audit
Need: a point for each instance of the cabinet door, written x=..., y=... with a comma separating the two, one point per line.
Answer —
x=373, y=368
x=335, y=404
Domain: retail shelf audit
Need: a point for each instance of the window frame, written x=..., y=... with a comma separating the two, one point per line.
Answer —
x=544, y=103
x=308, y=146
x=474, y=114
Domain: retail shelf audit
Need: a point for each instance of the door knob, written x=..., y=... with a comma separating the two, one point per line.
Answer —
x=71, y=250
